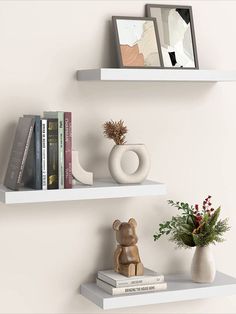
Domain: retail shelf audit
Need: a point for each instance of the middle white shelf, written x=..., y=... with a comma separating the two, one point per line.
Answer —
x=102, y=189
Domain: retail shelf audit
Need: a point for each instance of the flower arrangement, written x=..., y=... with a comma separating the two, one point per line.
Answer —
x=116, y=131
x=196, y=226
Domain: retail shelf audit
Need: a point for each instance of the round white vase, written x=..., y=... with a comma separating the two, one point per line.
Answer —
x=116, y=155
x=203, y=265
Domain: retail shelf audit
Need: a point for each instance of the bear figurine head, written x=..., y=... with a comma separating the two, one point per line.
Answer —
x=125, y=232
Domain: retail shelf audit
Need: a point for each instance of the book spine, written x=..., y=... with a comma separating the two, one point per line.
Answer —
x=38, y=164
x=52, y=142
x=144, y=281
x=61, y=149
x=132, y=282
x=27, y=145
x=129, y=290
x=68, y=150
x=44, y=153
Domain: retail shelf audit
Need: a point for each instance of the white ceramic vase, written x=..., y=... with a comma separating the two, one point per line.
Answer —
x=203, y=265
x=116, y=155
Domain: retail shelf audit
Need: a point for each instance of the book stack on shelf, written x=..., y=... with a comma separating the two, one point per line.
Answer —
x=41, y=155
x=117, y=284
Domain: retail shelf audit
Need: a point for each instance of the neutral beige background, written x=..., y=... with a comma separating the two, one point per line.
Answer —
x=48, y=250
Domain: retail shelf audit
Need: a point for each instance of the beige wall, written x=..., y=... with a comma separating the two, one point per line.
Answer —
x=48, y=250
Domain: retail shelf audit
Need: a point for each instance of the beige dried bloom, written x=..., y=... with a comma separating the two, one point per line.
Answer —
x=116, y=131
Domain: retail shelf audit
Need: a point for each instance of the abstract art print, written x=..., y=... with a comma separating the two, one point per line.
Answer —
x=176, y=33
x=137, y=42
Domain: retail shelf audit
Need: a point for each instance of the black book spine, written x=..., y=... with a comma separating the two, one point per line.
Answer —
x=52, y=153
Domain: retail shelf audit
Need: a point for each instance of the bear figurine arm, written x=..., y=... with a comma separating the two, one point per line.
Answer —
x=116, y=258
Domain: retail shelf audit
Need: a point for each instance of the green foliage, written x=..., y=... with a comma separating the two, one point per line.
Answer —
x=194, y=227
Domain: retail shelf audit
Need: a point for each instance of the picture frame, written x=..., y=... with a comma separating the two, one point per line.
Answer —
x=137, y=42
x=177, y=35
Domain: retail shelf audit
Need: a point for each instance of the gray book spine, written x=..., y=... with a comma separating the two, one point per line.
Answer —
x=32, y=176
x=38, y=163
x=19, y=152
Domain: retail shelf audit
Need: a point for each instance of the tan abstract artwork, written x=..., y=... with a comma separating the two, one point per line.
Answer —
x=138, y=43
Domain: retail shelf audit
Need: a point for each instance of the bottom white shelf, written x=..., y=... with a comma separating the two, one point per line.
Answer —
x=180, y=288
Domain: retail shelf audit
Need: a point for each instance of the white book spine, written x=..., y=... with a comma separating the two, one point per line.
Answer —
x=44, y=154
x=132, y=289
x=132, y=282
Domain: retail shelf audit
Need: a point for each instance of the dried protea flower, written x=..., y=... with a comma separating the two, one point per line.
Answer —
x=116, y=131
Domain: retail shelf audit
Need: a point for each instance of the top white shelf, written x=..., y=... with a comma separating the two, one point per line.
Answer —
x=162, y=75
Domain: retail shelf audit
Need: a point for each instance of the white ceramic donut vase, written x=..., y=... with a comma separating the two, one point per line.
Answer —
x=115, y=167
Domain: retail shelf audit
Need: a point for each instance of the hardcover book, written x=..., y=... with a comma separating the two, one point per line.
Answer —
x=59, y=115
x=44, y=153
x=52, y=142
x=131, y=289
x=68, y=150
x=32, y=176
x=19, y=152
x=118, y=280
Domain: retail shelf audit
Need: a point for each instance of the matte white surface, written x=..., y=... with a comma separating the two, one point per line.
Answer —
x=173, y=75
x=100, y=189
x=78, y=172
x=179, y=288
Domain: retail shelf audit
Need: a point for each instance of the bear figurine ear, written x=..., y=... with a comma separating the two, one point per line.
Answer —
x=116, y=224
x=133, y=222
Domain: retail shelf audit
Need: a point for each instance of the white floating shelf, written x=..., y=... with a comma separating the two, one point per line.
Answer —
x=180, y=288
x=100, y=190
x=173, y=75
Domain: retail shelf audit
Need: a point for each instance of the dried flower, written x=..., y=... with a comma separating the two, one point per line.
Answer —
x=116, y=131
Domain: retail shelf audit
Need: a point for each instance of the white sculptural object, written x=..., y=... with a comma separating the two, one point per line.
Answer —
x=118, y=174
x=78, y=171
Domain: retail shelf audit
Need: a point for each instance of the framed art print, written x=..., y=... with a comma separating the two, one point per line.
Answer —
x=137, y=42
x=176, y=33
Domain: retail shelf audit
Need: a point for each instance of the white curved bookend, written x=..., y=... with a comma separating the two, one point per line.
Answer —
x=78, y=172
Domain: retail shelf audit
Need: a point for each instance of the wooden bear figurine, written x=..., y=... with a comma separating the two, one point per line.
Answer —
x=126, y=257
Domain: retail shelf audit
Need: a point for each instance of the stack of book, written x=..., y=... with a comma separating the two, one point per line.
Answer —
x=41, y=156
x=117, y=284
